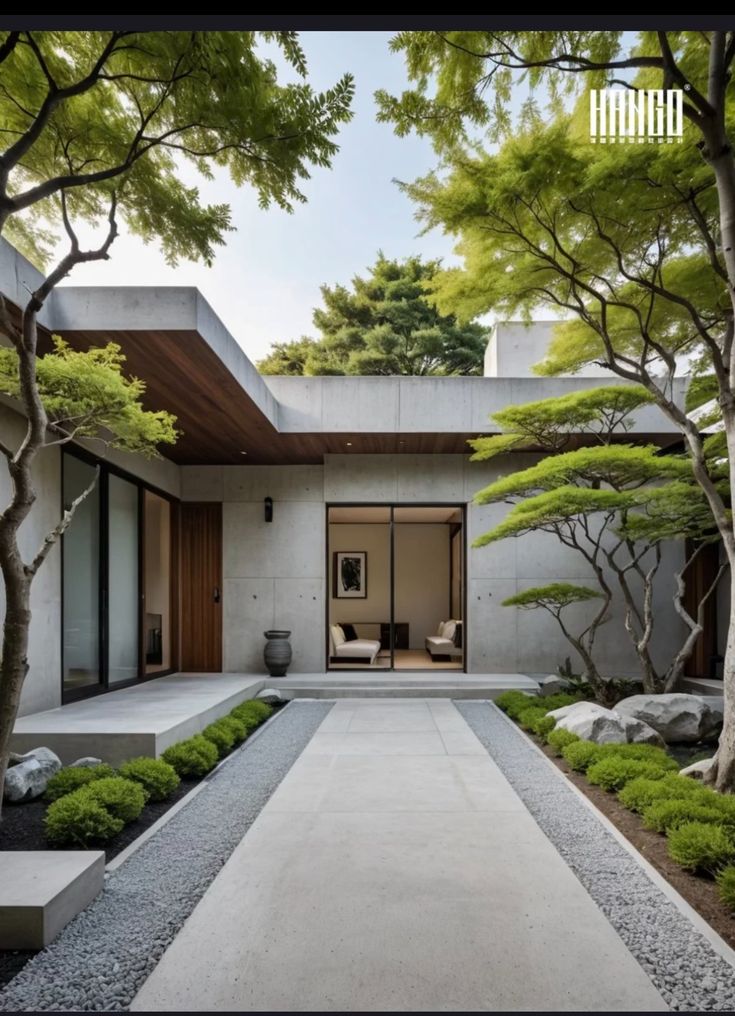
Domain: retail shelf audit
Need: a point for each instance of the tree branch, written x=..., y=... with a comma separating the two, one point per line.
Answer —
x=51, y=538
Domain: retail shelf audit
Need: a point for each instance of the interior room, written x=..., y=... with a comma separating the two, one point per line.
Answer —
x=396, y=587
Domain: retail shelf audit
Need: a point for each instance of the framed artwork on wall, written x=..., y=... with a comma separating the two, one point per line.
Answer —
x=350, y=575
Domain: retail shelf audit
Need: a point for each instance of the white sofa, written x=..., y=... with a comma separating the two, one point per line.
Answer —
x=353, y=649
x=442, y=643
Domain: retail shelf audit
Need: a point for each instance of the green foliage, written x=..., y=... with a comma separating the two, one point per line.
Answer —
x=137, y=108
x=641, y=793
x=221, y=735
x=559, y=739
x=158, y=778
x=192, y=758
x=664, y=815
x=560, y=699
x=529, y=716
x=581, y=754
x=78, y=820
x=550, y=423
x=508, y=699
x=555, y=596
x=543, y=725
x=67, y=780
x=701, y=847
x=252, y=712
x=612, y=772
x=85, y=392
x=383, y=325
x=124, y=799
x=519, y=705
x=726, y=884
x=237, y=727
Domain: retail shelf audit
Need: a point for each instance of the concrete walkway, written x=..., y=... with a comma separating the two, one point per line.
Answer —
x=396, y=869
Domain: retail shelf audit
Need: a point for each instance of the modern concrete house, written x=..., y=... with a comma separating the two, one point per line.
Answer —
x=340, y=508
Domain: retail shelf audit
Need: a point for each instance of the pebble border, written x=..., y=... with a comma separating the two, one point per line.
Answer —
x=680, y=962
x=103, y=956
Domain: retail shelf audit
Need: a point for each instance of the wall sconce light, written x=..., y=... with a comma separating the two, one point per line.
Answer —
x=268, y=503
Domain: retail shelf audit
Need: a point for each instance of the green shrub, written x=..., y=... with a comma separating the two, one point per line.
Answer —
x=77, y=820
x=122, y=798
x=238, y=727
x=611, y=772
x=665, y=815
x=221, y=736
x=559, y=738
x=252, y=713
x=701, y=847
x=543, y=725
x=530, y=716
x=193, y=757
x=66, y=781
x=158, y=778
x=581, y=754
x=641, y=792
x=561, y=698
x=510, y=699
x=644, y=753
x=726, y=884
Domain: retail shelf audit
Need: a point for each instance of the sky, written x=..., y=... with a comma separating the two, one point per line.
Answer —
x=265, y=283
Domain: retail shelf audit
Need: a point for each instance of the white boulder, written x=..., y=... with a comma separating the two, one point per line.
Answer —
x=552, y=684
x=29, y=777
x=697, y=770
x=593, y=722
x=677, y=716
x=88, y=762
x=271, y=696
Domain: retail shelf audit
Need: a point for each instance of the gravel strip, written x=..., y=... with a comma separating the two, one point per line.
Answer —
x=682, y=964
x=102, y=957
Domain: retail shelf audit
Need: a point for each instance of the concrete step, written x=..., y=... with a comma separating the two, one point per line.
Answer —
x=333, y=687
x=41, y=890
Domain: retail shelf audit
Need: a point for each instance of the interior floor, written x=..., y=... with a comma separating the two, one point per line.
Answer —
x=404, y=659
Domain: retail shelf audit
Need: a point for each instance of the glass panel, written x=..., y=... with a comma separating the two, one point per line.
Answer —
x=81, y=558
x=157, y=633
x=123, y=581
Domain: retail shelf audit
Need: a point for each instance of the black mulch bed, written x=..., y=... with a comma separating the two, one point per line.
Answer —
x=21, y=828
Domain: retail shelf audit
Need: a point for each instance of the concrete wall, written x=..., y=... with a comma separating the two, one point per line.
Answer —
x=514, y=347
x=275, y=574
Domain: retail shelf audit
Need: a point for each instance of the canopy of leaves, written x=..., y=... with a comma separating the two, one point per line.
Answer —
x=669, y=512
x=549, y=423
x=549, y=510
x=555, y=596
x=383, y=324
x=86, y=394
x=618, y=466
x=89, y=112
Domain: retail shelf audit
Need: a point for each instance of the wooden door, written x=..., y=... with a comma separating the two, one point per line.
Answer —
x=201, y=587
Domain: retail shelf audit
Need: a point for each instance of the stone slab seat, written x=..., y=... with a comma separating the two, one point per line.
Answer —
x=42, y=890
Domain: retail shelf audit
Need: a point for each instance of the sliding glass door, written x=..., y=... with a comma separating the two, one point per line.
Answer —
x=397, y=587
x=117, y=581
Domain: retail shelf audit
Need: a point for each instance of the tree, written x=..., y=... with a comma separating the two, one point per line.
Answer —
x=637, y=243
x=385, y=325
x=94, y=127
x=612, y=503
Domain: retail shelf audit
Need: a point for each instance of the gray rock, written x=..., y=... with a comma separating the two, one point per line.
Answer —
x=593, y=722
x=271, y=697
x=29, y=777
x=88, y=762
x=697, y=770
x=563, y=711
x=552, y=684
x=677, y=716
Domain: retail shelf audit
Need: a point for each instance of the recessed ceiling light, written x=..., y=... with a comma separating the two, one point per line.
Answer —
x=349, y=444
x=243, y=453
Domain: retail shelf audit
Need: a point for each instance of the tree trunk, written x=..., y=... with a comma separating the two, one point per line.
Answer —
x=14, y=665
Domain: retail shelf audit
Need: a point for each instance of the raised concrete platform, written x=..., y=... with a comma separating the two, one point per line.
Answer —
x=41, y=890
x=337, y=684
x=396, y=870
x=141, y=720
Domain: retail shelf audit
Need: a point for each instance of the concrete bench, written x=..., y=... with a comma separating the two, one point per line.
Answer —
x=41, y=890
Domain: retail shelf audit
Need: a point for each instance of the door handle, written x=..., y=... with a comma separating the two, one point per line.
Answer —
x=216, y=596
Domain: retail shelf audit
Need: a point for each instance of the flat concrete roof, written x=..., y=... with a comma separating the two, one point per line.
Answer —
x=230, y=414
